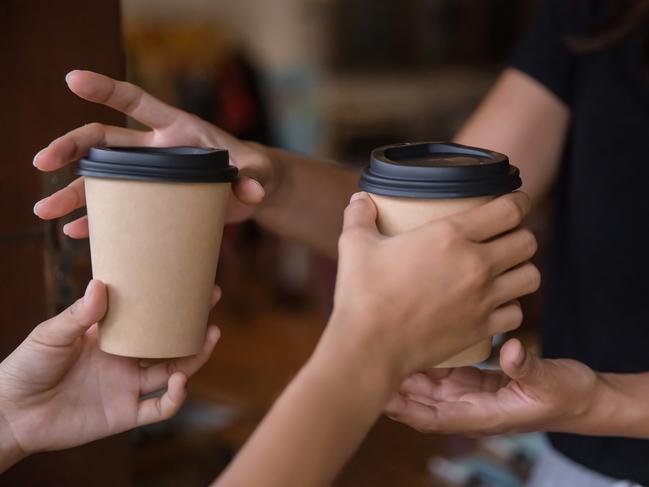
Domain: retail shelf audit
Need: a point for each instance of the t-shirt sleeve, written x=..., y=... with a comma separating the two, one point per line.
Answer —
x=543, y=54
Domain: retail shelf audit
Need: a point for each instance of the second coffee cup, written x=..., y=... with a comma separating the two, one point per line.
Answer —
x=412, y=184
x=156, y=218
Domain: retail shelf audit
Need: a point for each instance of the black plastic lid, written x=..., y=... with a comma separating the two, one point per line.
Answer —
x=438, y=170
x=180, y=164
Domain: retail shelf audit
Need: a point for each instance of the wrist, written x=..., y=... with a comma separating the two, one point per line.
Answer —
x=354, y=351
x=619, y=407
x=10, y=450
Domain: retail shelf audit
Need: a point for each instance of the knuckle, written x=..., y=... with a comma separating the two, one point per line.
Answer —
x=350, y=208
x=74, y=195
x=95, y=128
x=189, y=119
x=513, y=212
x=134, y=96
x=40, y=331
x=516, y=317
x=350, y=237
x=447, y=233
x=73, y=311
x=506, y=321
x=530, y=242
x=533, y=277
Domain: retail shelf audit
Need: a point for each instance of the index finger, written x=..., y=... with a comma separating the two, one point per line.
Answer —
x=494, y=218
x=122, y=96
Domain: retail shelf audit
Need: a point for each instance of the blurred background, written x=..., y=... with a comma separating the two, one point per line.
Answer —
x=332, y=78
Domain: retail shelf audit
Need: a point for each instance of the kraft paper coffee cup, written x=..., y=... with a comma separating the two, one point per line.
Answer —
x=156, y=220
x=412, y=184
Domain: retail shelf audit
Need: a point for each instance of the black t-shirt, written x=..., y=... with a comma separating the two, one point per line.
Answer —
x=597, y=283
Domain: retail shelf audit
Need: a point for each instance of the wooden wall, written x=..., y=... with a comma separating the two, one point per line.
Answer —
x=40, y=271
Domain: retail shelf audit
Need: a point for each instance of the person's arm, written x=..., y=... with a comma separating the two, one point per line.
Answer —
x=519, y=117
x=293, y=195
x=317, y=423
x=58, y=376
x=522, y=118
x=619, y=407
x=308, y=201
x=530, y=394
x=383, y=329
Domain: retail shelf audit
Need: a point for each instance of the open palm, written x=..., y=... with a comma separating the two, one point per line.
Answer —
x=529, y=394
x=59, y=390
x=169, y=127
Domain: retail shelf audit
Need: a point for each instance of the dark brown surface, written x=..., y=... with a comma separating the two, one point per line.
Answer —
x=40, y=41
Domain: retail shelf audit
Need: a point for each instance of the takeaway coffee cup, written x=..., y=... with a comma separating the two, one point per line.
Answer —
x=412, y=184
x=156, y=220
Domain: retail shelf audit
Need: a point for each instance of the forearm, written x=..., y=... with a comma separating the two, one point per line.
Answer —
x=307, y=201
x=315, y=425
x=620, y=407
x=523, y=119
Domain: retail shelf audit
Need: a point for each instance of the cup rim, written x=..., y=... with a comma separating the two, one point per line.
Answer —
x=178, y=163
x=390, y=173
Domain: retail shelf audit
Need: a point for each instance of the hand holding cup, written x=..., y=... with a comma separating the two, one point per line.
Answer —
x=413, y=300
x=168, y=127
x=59, y=390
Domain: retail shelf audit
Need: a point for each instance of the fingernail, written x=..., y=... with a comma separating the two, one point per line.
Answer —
x=261, y=188
x=37, y=206
x=356, y=196
x=67, y=76
x=65, y=229
x=520, y=357
x=144, y=363
x=215, y=334
x=35, y=161
x=87, y=292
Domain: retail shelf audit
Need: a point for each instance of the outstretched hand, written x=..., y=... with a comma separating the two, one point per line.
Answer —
x=169, y=127
x=529, y=394
x=59, y=390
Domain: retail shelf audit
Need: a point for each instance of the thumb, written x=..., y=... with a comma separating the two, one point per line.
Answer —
x=520, y=365
x=248, y=190
x=65, y=328
x=360, y=213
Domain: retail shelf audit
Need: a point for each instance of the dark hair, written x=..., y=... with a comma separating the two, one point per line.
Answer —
x=627, y=16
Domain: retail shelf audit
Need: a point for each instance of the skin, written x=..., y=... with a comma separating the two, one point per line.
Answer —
x=377, y=335
x=490, y=278
x=529, y=394
x=59, y=390
x=521, y=118
x=303, y=198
